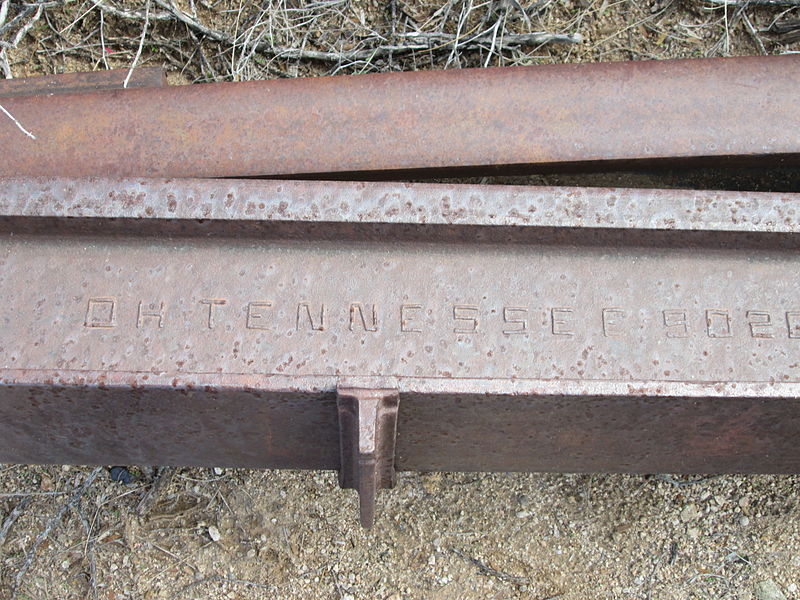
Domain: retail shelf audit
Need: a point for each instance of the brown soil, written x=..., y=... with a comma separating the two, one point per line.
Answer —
x=251, y=534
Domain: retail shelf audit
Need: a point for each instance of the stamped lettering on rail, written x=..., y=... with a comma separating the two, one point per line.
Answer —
x=103, y=312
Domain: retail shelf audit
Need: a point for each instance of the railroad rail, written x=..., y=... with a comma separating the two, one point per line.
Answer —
x=374, y=327
x=737, y=111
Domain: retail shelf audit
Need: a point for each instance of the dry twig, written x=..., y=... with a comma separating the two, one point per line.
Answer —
x=16, y=122
x=12, y=518
x=55, y=520
x=141, y=44
x=162, y=479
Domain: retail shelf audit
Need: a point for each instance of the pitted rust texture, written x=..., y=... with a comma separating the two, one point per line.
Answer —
x=643, y=112
x=221, y=336
x=395, y=204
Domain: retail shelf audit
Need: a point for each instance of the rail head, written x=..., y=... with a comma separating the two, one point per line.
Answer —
x=635, y=113
x=413, y=204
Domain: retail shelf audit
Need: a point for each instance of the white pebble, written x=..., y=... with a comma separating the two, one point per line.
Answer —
x=690, y=512
x=214, y=534
x=744, y=521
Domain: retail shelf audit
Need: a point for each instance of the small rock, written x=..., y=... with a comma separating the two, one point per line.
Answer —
x=744, y=521
x=432, y=560
x=214, y=533
x=348, y=597
x=768, y=590
x=693, y=533
x=218, y=471
x=46, y=483
x=689, y=513
x=523, y=514
x=121, y=474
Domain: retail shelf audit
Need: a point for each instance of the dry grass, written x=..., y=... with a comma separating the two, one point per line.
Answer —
x=201, y=41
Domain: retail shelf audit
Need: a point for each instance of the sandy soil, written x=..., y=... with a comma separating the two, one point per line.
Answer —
x=204, y=533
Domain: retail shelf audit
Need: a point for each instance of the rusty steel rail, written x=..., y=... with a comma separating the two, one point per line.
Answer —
x=372, y=327
x=727, y=111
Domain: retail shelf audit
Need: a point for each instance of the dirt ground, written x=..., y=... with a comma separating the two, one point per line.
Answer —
x=73, y=532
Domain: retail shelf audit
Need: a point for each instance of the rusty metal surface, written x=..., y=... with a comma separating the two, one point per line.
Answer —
x=72, y=83
x=524, y=117
x=169, y=203
x=367, y=432
x=599, y=330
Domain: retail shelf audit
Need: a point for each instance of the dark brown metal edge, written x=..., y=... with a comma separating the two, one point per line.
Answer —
x=76, y=83
x=246, y=427
x=367, y=431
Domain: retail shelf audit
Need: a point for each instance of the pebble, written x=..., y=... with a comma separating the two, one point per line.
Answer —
x=689, y=513
x=523, y=514
x=214, y=534
x=218, y=471
x=121, y=475
x=744, y=521
x=768, y=590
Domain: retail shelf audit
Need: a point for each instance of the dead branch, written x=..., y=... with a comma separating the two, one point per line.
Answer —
x=488, y=571
x=141, y=44
x=427, y=41
x=12, y=518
